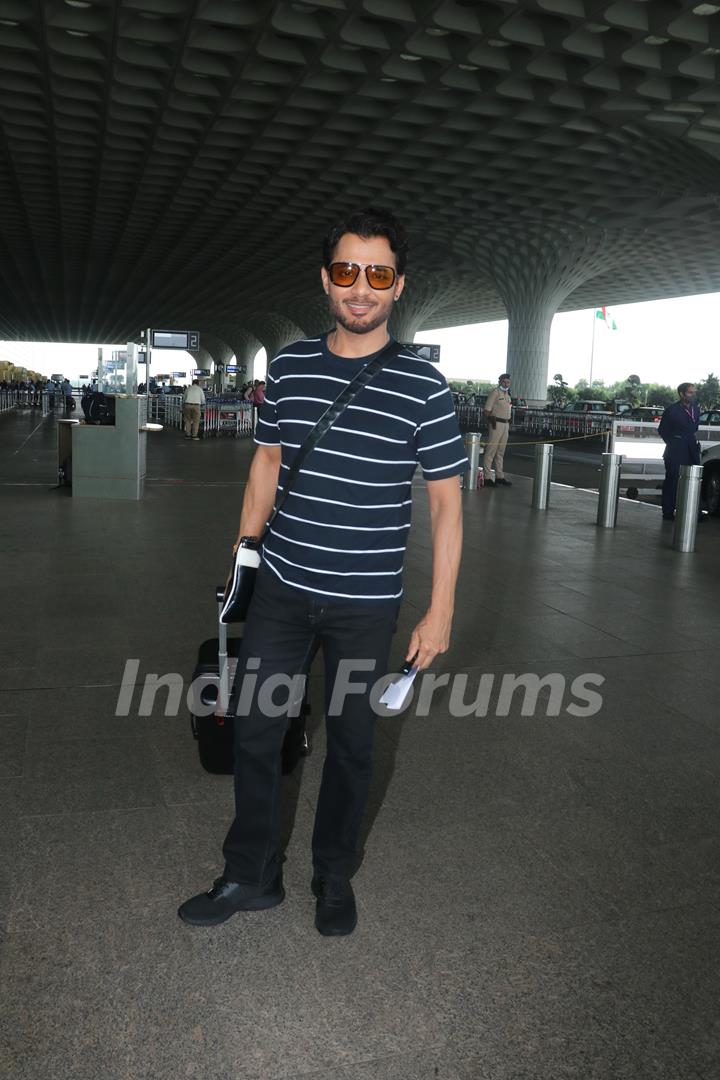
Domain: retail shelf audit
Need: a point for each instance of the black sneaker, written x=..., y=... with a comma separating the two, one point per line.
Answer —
x=503, y=483
x=335, y=911
x=227, y=897
x=489, y=483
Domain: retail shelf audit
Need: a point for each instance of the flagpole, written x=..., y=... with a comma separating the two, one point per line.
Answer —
x=592, y=349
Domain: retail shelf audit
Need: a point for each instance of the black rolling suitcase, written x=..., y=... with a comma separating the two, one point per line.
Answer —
x=214, y=730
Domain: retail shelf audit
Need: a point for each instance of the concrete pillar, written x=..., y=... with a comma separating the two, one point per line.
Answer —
x=202, y=359
x=245, y=346
x=535, y=268
x=274, y=331
x=221, y=354
x=422, y=300
x=312, y=313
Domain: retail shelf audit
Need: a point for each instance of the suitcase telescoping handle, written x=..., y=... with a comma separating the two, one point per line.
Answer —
x=224, y=686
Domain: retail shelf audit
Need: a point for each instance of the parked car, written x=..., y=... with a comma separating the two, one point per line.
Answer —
x=648, y=414
x=710, y=494
x=710, y=416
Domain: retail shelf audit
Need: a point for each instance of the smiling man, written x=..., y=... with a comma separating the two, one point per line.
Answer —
x=331, y=572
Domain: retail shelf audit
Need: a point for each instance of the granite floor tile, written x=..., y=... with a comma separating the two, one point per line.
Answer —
x=13, y=737
x=80, y=866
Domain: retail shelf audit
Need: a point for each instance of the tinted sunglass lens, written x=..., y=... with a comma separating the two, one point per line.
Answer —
x=344, y=274
x=380, y=277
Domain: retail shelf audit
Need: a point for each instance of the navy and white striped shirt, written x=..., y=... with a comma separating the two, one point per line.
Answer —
x=344, y=527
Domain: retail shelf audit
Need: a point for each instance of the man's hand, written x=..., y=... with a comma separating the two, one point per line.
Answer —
x=430, y=637
x=432, y=634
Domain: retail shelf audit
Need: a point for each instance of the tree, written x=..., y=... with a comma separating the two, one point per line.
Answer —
x=708, y=392
x=557, y=391
x=633, y=383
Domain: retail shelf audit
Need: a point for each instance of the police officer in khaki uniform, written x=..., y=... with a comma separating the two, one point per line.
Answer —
x=498, y=409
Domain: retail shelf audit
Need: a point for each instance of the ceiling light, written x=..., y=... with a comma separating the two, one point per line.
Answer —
x=78, y=3
x=498, y=44
x=711, y=51
x=410, y=57
x=597, y=28
x=468, y=67
x=436, y=31
x=386, y=78
x=706, y=9
x=77, y=33
x=652, y=39
x=9, y=22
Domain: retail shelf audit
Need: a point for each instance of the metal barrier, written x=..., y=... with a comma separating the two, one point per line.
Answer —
x=688, y=507
x=470, y=418
x=609, y=491
x=7, y=401
x=546, y=424
x=543, y=476
x=220, y=415
x=643, y=468
x=469, y=480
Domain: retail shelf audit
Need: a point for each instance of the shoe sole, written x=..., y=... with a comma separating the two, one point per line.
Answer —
x=262, y=903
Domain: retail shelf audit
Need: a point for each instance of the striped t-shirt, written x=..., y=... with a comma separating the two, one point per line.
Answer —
x=343, y=529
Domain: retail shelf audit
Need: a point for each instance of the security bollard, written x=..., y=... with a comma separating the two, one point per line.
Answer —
x=688, y=507
x=543, y=475
x=473, y=448
x=609, y=490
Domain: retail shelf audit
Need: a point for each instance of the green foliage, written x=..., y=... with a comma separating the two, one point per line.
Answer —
x=470, y=386
x=708, y=392
x=558, y=391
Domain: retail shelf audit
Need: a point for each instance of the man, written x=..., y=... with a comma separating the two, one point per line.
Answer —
x=193, y=400
x=498, y=409
x=67, y=392
x=677, y=428
x=331, y=569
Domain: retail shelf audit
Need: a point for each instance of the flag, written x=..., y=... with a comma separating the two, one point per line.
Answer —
x=604, y=314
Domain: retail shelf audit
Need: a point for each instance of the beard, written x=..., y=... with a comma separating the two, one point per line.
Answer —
x=362, y=324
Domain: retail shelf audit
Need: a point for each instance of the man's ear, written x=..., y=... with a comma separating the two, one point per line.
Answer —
x=325, y=280
x=399, y=286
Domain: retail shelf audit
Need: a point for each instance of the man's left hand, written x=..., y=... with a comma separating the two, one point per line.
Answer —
x=430, y=637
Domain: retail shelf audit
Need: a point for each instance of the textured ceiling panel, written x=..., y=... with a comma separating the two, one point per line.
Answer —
x=163, y=162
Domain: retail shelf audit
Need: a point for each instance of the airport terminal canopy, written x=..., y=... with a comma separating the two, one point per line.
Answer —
x=176, y=162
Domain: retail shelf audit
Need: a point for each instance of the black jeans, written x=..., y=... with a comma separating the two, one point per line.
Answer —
x=284, y=629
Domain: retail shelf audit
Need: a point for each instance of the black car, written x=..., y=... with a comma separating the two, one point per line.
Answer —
x=648, y=414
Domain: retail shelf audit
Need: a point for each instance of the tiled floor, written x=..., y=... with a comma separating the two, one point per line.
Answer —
x=539, y=897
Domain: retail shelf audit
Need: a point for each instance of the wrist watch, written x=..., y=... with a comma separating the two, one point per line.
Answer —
x=244, y=541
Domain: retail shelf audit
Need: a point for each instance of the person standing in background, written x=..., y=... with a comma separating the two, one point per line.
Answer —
x=498, y=410
x=678, y=430
x=193, y=400
x=67, y=396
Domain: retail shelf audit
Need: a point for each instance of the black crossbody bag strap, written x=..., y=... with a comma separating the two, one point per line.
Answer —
x=326, y=421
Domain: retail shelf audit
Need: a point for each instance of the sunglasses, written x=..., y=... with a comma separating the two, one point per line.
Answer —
x=345, y=274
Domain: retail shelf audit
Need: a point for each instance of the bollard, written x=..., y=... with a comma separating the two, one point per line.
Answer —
x=688, y=507
x=609, y=490
x=543, y=475
x=473, y=449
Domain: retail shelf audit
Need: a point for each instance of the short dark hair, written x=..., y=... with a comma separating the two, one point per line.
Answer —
x=368, y=222
x=504, y=376
x=683, y=387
